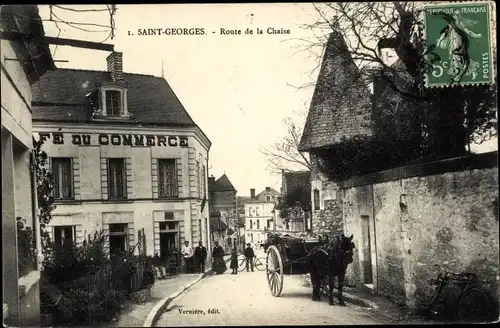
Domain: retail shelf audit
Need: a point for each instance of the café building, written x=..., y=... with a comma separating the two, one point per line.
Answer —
x=126, y=158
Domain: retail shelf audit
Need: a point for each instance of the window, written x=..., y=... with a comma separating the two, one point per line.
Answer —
x=249, y=211
x=316, y=199
x=268, y=198
x=64, y=237
x=257, y=211
x=169, y=215
x=167, y=178
x=117, y=238
x=258, y=225
x=117, y=178
x=63, y=178
x=251, y=225
x=269, y=224
x=113, y=103
x=168, y=226
x=203, y=177
x=198, y=185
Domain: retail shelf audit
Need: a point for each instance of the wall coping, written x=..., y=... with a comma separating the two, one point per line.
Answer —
x=26, y=282
x=472, y=162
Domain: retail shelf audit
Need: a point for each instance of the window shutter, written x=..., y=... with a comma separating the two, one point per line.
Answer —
x=161, y=177
x=55, y=173
x=66, y=178
x=173, y=178
x=123, y=178
x=111, y=179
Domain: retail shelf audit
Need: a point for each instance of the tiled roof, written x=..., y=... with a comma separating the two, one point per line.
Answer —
x=294, y=179
x=341, y=105
x=222, y=184
x=265, y=192
x=150, y=99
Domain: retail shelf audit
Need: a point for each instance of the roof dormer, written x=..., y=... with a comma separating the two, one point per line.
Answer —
x=112, y=95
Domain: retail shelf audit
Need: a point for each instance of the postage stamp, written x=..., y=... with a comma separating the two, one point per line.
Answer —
x=459, y=45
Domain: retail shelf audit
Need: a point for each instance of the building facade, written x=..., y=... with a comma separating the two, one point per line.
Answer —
x=260, y=215
x=19, y=71
x=125, y=156
x=223, y=212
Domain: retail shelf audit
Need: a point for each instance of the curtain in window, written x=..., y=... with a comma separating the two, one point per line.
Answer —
x=167, y=177
x=61, y=170
x=116, y=182
x=113, y=103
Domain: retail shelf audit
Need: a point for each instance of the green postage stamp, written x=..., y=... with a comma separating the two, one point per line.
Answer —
x=458, y=44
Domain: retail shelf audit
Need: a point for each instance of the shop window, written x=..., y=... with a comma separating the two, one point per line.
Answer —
x=118, y=238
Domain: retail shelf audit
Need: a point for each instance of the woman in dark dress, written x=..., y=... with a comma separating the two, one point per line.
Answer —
x=219, y=265
x=234, y=261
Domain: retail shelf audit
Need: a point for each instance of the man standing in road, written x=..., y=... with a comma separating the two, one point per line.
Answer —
x=187, y=253
x=249, y=255
x=200, y=256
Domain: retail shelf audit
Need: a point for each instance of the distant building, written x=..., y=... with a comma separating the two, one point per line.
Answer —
x=260, y=215
x=24, y=61
x=240, y=209
x=223, y=215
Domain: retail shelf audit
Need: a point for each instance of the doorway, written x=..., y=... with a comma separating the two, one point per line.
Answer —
x=168, y=238
x=366, y=249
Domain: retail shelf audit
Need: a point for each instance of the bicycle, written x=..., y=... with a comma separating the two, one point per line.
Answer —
x=258, y=263
x=471, y=303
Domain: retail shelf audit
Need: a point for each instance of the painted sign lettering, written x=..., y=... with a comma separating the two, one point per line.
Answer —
x=133, y=140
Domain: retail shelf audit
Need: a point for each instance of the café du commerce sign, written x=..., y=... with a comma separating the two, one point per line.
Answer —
x=133, y=140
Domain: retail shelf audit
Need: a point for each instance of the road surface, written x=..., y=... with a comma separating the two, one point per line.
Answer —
x=245, y=299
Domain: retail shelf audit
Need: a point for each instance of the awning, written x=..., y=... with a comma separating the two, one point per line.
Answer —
x=217, y=225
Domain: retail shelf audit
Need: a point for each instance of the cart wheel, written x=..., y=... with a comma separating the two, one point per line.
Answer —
x=274, y=271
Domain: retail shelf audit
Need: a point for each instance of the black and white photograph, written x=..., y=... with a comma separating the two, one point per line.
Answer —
x=249, y=164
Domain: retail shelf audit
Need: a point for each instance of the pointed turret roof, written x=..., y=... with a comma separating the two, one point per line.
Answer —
x=223, y=184
x=341, y=105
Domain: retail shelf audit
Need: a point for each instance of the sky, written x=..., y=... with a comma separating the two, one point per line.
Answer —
x=237, y=88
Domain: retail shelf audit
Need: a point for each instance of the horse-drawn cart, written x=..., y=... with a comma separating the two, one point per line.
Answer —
x=287, y=255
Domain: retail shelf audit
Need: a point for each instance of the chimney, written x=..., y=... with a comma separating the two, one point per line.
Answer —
x=268, y=188
x=115, y=65
x=252, y=193
x=211, y=180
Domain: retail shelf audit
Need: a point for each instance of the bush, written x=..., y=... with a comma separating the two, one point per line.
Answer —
x=26, y=248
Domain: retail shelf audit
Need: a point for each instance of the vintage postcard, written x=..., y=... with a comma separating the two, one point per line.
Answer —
x=249, y=164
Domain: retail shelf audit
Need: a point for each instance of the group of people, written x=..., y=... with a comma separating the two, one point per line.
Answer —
x=219, y=265
x=194, y=260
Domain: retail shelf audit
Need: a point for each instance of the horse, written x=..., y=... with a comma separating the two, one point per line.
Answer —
x=331, y=262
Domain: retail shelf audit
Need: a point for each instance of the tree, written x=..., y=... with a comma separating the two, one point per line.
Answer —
x=283, y=154
x=295, y=203
x=466, y=114
x=45, y=185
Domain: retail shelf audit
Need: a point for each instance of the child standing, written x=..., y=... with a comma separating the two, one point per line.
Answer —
x=234, y=261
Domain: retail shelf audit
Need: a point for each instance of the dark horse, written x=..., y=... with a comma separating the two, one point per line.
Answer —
x=330, y=260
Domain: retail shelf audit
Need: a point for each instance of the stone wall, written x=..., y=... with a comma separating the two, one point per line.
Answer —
x=327, y=219
x=442, y=213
